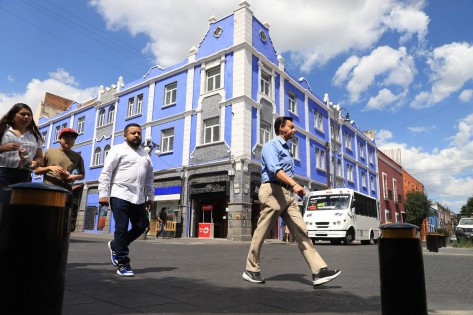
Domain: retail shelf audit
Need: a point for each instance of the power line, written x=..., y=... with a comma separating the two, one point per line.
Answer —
x=96, y=36
x=69, y=43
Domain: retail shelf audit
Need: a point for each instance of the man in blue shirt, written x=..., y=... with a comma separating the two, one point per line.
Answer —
x=275, y=196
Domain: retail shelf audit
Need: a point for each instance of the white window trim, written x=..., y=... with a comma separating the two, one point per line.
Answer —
x=212, y=132
x=292, y=101
x=172, y=91
x=167, y=138
x=139, y=104
x=130, y=107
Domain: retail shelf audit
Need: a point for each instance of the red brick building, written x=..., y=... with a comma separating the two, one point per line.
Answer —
x=391, y=189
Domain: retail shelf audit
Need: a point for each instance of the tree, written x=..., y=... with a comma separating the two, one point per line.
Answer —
x=417, y=207
x=468, y=207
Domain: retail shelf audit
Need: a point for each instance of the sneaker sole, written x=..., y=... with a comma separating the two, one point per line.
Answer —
x=125, y=274
x=326, y=279
x=114, y=262
x=248, y=278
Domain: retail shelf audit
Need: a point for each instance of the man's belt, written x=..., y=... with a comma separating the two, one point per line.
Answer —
x=276, y=182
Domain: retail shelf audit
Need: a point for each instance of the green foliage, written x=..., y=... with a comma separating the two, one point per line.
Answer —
x=443, y=231
x=468, y=207
x=464, y=243
x=417, y=207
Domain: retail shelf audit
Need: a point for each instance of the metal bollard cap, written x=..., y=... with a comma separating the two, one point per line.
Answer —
x=40, y=194
x=398, y=230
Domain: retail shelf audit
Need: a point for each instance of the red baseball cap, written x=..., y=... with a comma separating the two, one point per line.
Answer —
x=67, y=130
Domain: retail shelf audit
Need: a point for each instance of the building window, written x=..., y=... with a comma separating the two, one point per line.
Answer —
x=362, y=150
x=111, y=114
x=265, y=84
x=320, y=158
x=131, y=104
x=97, y=154
x=262, y=36
x=80, y=125
x=101, y=120
x=385, y=186
x=105, y=152
x=371, y=156
x=213, y=79
x=292, y=103
x=350, y=173
x=211, y=130
x=294, y=147
x=170, y=93
x=218, y=31
x=373, y=187
x=363, y=179
x=318, y=120
x=395, y=190
x=264, y=132
x=44, y=135
x=387, y=215
x=167, y=140
x=139, y=104
x=348, y=140
x=334, y=131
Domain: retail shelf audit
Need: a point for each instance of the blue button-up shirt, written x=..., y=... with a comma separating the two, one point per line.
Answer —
x=276, y=156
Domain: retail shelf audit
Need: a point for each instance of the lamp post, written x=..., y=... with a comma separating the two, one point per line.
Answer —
x=148, y=145
x=340, y=116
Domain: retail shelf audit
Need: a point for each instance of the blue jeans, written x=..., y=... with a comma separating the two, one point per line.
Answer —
x=161, y=230
x=124, y=212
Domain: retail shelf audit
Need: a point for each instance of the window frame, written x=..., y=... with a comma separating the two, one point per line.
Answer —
x=292, y=103
x=265, y=133
x=97, y=155
x=111, y=114
x=320, y=159
x=130, y=107
x=171, y=91
x=212, y=80
x=213, y=129
x=318, y=120
x=139, y=104
x=166, y=139
x=265, y=83
x=101, y=118
x=294, y=148
x=80, y=125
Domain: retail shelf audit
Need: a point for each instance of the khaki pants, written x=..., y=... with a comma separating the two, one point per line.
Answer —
x=277, y=201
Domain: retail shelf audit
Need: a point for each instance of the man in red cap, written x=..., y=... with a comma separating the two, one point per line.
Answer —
x=62, y=166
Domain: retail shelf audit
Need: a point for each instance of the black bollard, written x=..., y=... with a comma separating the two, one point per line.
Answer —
x=34, y=243
x=401, y=270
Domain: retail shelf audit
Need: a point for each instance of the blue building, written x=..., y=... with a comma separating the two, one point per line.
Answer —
x=211, y=115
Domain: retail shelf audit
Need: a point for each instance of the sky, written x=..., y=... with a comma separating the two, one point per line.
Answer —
x=401, y=68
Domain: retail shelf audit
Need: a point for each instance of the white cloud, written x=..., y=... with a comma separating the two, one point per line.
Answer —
x=418, y=129
x=10, y=78
x=451, y=67
x=445, y=172
x=465, y=131
x=60, y=82
x=465, y=96
x=396, y=66
x=333, y=27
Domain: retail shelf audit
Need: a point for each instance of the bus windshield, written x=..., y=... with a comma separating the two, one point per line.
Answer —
x=330, y=202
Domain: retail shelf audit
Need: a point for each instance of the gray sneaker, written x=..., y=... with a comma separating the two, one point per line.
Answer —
x=324, y=275
x=254, y=277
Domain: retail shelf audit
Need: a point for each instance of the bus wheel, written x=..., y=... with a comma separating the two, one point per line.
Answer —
x=368, y=242
x=348, y=237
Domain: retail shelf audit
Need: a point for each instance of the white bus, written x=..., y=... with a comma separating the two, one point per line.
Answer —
x=342, y=214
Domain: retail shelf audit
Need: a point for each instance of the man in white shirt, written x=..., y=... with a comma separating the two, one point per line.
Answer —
x=127, y=185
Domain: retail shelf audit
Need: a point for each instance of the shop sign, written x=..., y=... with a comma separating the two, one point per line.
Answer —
x=207, y=207
x=204, y=230
x=209, y=188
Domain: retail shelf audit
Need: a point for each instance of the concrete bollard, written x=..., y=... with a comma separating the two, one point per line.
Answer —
x=34, y=243
x=401, y=270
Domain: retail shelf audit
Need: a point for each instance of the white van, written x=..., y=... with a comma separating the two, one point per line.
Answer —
x=342, y=214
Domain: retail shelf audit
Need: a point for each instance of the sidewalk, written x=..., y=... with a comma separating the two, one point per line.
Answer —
x=203, y=276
